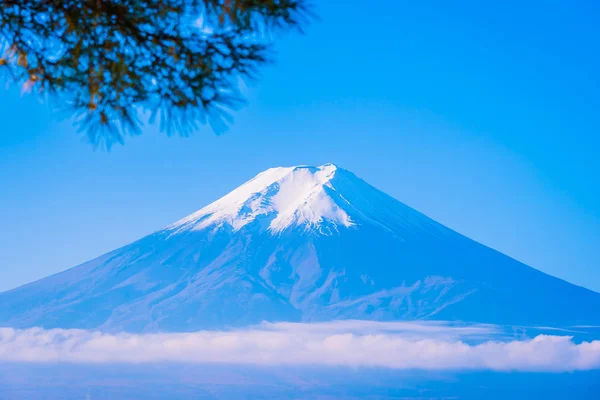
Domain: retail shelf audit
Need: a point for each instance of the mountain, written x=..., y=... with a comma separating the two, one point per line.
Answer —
x=299, y=243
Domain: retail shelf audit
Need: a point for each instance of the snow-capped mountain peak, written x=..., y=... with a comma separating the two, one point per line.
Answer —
x=282, y=197
x=292, y=244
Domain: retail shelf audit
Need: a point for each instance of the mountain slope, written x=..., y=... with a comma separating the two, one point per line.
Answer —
x=298, y=243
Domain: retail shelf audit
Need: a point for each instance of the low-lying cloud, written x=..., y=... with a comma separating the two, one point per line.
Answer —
x=348, y=343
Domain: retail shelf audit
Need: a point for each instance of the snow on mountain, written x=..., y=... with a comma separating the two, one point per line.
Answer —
x=298, y=244
x=321, y=199
x=296, y=196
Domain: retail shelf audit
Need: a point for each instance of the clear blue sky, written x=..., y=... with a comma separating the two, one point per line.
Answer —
x=486, y=118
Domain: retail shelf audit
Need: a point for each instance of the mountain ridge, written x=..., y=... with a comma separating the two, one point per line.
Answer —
x=297, y=244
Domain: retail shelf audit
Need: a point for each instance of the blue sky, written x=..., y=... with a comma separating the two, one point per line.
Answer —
x=483, y=117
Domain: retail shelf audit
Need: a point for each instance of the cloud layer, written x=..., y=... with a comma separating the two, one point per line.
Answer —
x=349, y=343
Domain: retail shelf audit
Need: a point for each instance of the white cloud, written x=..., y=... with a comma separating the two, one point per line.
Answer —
x=399, y=345
x=437, y=329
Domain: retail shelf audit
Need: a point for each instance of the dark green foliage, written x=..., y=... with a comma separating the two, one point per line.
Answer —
x=180, y=60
